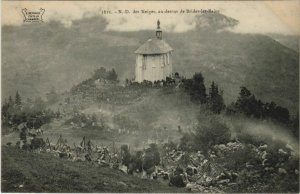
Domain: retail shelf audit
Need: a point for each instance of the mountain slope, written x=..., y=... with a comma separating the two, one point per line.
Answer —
x=36, y=57
x=290, y=41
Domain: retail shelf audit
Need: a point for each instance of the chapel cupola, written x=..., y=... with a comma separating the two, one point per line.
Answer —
x=158, y=31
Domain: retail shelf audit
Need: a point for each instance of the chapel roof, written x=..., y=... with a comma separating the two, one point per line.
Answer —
x=154, y=46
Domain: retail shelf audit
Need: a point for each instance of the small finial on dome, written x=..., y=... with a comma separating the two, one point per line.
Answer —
x=158, y=31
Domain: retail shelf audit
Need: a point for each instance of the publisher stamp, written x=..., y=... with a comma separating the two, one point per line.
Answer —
x=35, y=16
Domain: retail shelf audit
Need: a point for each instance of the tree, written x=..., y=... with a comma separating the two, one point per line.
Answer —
x=250, y=106
x=243, y=100
x=215, y=99
x=112, y=75
x=268, y=109
x=281, y=114
x=99, y=74
x=18, y=101
x=247, y=104
x=196, y=88
x=213, y=90
x=259, y=109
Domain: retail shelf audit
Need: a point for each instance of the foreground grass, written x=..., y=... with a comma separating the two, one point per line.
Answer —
x=24, y=171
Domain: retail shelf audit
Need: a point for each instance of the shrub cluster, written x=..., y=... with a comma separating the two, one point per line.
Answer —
x=85, y=121
x=206, y=135
x=100, y=74
x=248, y=105
x=33, y=113
x=196, y=89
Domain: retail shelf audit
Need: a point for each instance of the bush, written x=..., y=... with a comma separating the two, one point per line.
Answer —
x=177, y=179
x=208, y=135
x=250, y=106
x=196, y=88
x=170, y=146
x=254, y=181
x=126, y=156
x=186, y=142
x=236, y=159
x=85, y=121
x=256, y=140
x=152, y=157
x=102, y=73
x=37, y=143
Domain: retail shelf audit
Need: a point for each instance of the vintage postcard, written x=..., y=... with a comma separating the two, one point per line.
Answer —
x=150, y=96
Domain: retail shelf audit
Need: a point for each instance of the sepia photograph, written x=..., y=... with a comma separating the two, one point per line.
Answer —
x=150, y=96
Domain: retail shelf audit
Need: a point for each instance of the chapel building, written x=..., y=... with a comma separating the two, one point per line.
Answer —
x=154, y=59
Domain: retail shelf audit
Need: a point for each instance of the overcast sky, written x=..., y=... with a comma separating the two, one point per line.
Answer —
x=254, y=16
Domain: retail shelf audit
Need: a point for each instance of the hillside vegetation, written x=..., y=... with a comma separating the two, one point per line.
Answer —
x=29, y=172
x=175, y=131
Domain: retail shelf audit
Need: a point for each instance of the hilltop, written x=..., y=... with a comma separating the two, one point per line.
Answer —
x=69, y=55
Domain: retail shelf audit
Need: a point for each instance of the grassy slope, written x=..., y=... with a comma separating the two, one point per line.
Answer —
x=45, y=173
x=155, y=109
